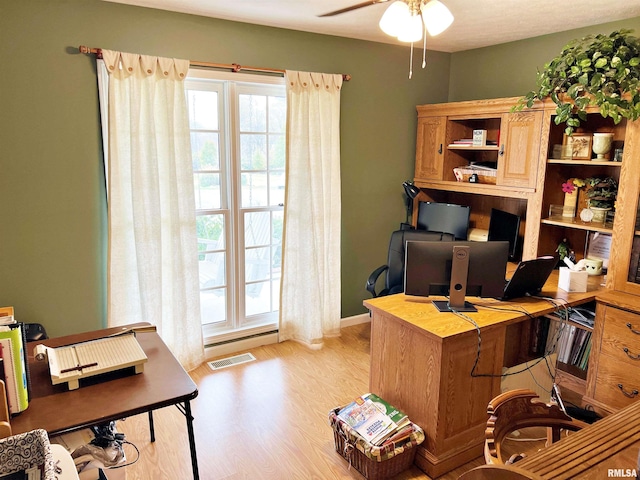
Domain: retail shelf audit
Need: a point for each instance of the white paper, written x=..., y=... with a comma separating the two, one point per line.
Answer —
x=599, y=247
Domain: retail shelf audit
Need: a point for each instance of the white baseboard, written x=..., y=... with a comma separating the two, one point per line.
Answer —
x=268, y=339
x=355, y=320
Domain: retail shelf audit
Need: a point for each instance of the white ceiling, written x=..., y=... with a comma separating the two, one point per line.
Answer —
x=478, y=23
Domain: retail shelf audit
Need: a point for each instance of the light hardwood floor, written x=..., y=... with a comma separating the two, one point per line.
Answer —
x=266, y=419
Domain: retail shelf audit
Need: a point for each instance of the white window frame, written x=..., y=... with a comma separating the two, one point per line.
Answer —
x=239, y=83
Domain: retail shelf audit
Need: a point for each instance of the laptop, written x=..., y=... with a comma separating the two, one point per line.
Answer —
x=529, y=277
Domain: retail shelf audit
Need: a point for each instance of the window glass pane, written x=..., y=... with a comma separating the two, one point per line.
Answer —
x=257, y=264
x=207, y=190
x=276, y=227
x=275, y=295
x=277, y=150
x=276, y=260
x=203, y=109
x=254, y=189
x=253, y=152
x=256, y=229
x=276, y=188
x=253, y=113
x=210, y=231
x=213, y=306
x=212, y=270
x=205, y=151
x=257, y=298
x=277, y=114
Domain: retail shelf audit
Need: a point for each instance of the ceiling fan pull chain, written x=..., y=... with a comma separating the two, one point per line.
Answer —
x=411, y=62
x=424, y=47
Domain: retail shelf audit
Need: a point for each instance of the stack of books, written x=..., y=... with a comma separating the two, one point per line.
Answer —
x=463, y=142
x=375, y=420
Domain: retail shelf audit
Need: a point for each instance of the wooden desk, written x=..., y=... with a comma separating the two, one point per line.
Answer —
x=421, y=361
x=609, y=444
x=110, y=397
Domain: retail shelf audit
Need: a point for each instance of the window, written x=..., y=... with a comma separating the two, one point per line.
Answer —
x=237, y=127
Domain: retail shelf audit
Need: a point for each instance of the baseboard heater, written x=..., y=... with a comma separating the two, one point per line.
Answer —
x=240, y=339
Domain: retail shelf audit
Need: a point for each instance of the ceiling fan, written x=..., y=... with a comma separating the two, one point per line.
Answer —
x=353, y=7
x=409, y=21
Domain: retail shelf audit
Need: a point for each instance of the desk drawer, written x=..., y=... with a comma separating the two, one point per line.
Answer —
x=617, y=385
x=621, y=337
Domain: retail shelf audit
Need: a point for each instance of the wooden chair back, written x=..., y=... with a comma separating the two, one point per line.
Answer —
x=518, y=409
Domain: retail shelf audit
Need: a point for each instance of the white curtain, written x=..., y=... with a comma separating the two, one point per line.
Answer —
x=310, y=296
x=152, y=259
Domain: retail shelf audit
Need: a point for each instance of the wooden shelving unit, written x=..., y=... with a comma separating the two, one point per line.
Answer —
x=529, y=180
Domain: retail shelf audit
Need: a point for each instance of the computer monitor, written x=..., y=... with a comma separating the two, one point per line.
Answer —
x=455, y=269
x=506, y=226
x=444, y=217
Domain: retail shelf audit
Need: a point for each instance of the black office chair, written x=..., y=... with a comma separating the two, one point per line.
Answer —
x=394, y=282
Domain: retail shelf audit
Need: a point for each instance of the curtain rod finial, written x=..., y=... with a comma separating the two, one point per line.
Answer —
x=90, y=51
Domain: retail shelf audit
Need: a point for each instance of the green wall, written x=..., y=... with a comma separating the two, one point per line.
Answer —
x=509, y=70
x=52, y=197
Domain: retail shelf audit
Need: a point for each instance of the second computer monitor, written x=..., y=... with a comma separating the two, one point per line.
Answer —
x=506, y=226
x=444, y=217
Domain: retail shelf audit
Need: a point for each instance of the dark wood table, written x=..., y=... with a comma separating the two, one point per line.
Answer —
x=109, y=397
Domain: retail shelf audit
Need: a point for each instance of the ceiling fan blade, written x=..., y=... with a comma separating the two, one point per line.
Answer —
x=353, y=7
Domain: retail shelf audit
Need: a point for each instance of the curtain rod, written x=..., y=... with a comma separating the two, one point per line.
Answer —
x=234, y=67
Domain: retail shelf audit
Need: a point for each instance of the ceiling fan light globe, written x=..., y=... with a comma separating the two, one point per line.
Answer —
x=394, y=18
x=412, y=30
x=436, y=16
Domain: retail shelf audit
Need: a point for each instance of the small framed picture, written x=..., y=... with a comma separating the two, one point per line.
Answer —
x=580, y=145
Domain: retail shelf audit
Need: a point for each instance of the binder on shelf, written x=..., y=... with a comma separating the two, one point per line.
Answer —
x=15, y=366
x=9, y=375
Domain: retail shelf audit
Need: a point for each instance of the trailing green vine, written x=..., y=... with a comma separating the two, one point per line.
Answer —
x=601, y=70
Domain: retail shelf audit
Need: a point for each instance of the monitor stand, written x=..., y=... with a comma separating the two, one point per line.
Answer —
x=458, y=286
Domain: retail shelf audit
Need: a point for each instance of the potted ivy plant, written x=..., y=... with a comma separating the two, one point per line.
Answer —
x=600, y=70
x=601, y=195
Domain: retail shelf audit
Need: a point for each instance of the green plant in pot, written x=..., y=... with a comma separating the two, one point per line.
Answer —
x=601, y=192
x=601, y=195
x=600, y=70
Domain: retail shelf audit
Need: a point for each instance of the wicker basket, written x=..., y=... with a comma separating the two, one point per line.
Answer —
x=374, y=463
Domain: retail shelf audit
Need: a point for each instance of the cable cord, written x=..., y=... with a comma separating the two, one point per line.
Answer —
x=126, y=442
x=547, y=353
